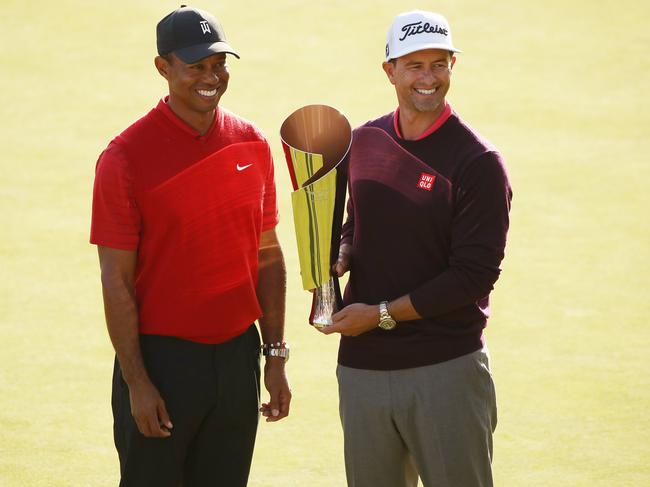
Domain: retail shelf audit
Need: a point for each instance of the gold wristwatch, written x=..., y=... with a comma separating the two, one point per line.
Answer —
x=386, y=321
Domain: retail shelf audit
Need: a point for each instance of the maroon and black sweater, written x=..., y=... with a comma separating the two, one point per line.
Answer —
x=427, y=218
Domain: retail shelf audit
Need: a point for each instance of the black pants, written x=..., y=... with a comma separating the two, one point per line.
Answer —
x=212, y=396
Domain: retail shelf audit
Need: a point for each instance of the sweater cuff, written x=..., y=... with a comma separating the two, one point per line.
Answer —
x=421, y=303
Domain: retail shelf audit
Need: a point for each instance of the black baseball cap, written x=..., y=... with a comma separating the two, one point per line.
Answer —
x=191, y=34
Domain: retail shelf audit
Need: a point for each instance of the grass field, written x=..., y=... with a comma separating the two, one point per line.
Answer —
x=560, y=87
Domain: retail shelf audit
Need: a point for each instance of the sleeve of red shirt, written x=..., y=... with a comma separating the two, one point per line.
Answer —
x=478, y=240
x=115, y=217
x=270, y=215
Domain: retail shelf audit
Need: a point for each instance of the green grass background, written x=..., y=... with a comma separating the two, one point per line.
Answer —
x=559, y=86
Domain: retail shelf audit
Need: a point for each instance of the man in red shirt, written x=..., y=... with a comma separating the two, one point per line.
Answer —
x=424, y=239
x=184, y=211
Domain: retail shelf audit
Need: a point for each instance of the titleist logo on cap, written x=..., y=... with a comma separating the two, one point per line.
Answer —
x=420, y=28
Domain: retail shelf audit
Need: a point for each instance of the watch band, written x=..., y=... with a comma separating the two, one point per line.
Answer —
x=386, y=321
x=278, y=349
x=383, y=311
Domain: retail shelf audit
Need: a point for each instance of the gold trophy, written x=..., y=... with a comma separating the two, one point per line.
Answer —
x=316, y=139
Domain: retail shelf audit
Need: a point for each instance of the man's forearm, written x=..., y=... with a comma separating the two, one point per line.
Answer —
x=121, y=313
x=401, y=309
x=271, y=293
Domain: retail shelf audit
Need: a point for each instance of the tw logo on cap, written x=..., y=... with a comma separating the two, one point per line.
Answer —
x=205, y=27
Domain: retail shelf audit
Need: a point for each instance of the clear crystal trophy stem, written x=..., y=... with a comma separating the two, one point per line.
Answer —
x=324, y=304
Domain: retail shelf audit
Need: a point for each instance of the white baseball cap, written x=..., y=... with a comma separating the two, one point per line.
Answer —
x=418, y=30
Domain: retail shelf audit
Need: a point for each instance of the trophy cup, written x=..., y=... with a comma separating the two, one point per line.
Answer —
x=315, y=139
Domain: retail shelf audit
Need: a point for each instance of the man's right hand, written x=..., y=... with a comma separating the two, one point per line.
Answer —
x=149, y=411
x=343, y=262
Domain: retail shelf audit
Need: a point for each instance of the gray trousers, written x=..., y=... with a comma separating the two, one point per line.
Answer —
x=435, y=422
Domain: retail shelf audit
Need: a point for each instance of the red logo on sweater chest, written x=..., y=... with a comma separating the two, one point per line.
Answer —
x=426, y=181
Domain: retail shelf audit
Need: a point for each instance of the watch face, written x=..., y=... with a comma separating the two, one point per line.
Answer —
x=280, y=352
x=387, y=324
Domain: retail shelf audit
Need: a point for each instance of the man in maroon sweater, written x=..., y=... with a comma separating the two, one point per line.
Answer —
x=424, y=239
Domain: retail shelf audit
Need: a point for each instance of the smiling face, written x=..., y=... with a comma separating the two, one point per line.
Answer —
x=194, y=89
x=421, y=80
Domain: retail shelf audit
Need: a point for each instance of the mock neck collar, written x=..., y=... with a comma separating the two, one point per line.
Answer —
x=437, y=123
x=164, y=108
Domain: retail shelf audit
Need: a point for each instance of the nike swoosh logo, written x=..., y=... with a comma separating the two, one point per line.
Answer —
x=241, y=168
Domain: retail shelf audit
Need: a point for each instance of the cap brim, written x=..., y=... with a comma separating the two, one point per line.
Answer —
x=422, y=47
x=195, y=53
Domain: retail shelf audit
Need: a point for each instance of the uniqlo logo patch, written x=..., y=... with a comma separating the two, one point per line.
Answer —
x=426, y=181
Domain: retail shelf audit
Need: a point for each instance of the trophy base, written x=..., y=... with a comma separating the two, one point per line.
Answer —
x=318, y=324
x=324, y=305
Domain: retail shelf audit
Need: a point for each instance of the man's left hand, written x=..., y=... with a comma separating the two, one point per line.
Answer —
x=275, y=381
x=353, y=320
